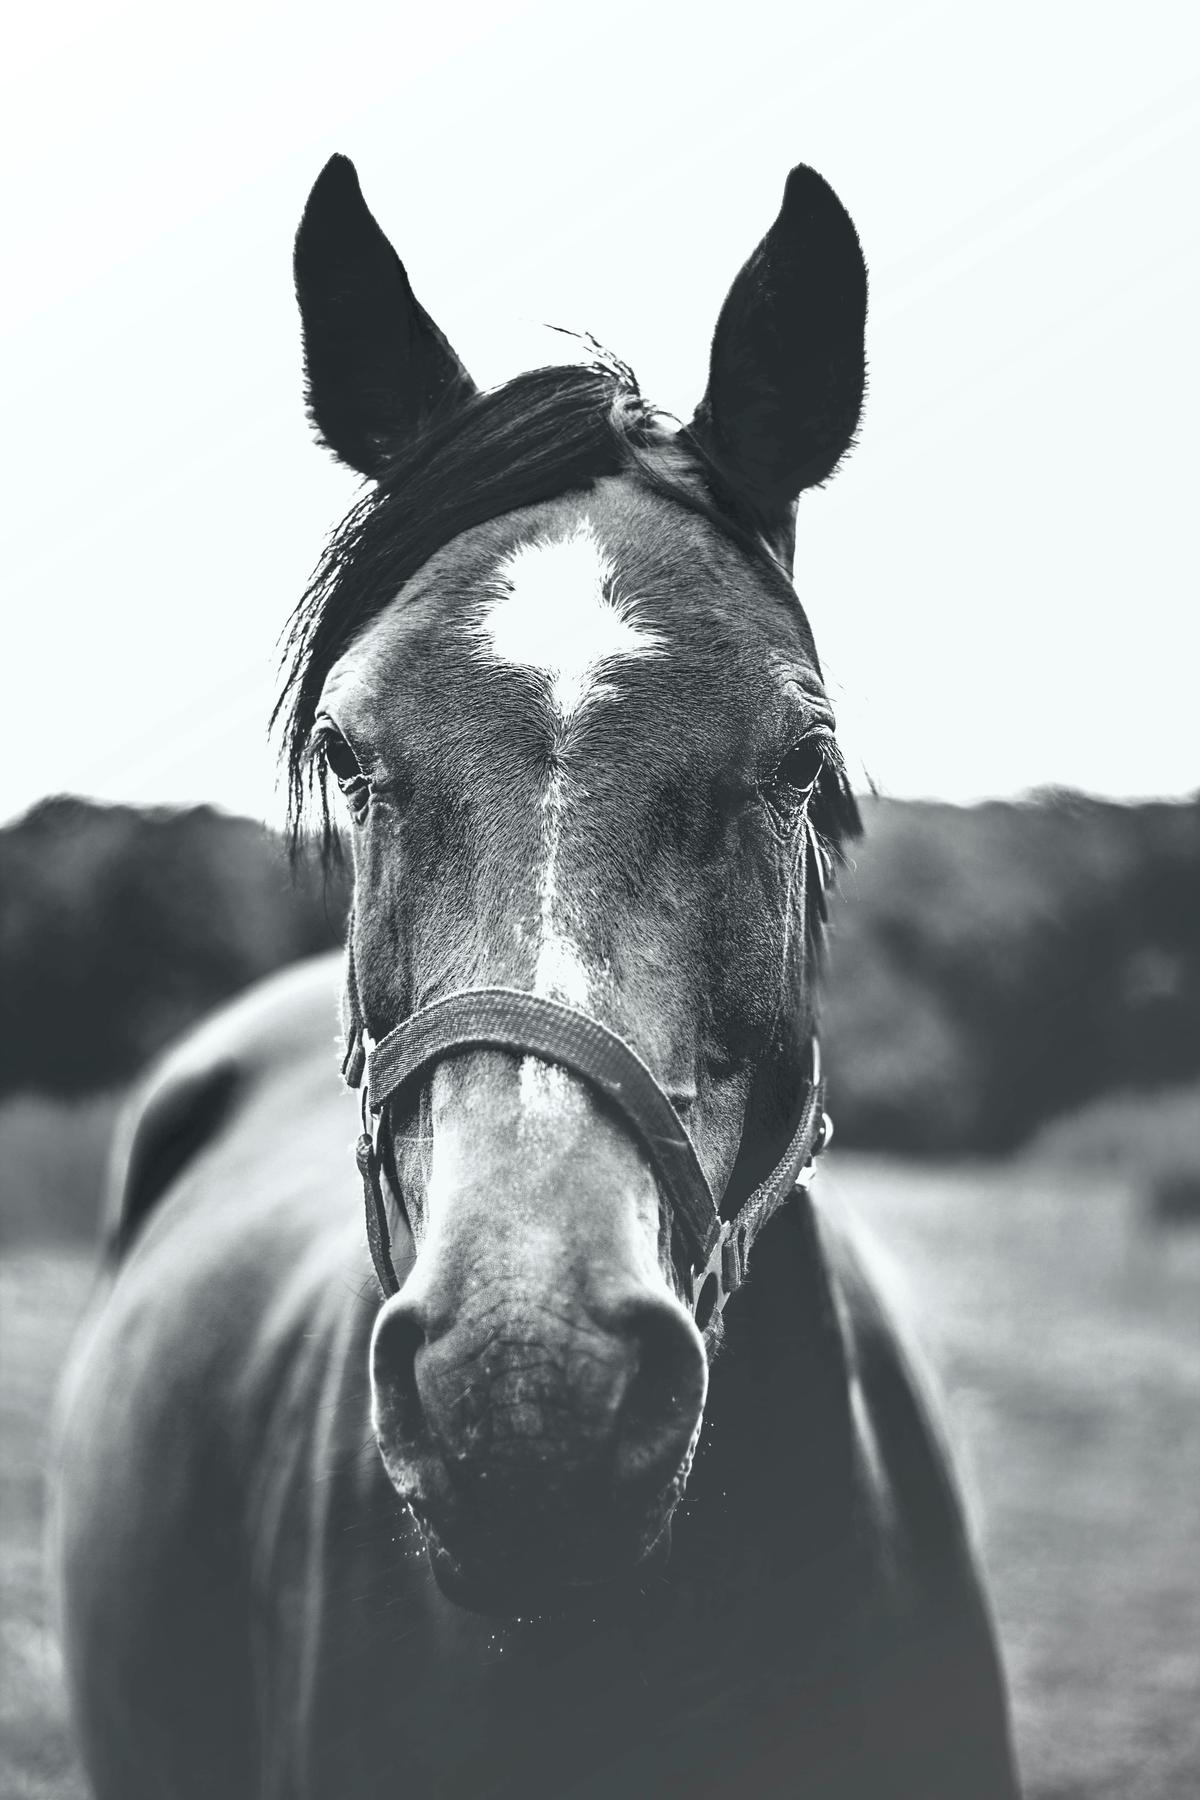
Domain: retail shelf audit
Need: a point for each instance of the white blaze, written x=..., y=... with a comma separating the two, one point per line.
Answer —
x=557, y=613
x=560, y=972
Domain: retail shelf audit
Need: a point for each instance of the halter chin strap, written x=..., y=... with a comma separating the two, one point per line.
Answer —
x=528, y=1025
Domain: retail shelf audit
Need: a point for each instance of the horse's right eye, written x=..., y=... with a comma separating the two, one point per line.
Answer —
x=340, y=759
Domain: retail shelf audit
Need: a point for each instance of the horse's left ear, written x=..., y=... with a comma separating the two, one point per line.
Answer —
x=376, y=363
x=788, y=366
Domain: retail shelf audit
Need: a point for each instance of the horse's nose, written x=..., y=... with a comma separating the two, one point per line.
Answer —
x=534, y=1385
x=665, y=1392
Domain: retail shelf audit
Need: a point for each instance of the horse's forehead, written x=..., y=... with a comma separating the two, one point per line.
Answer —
x=611, y=567
x=556, y=606
x=574, y=590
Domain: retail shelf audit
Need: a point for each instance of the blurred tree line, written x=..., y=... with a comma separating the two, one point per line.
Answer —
x=990, y=966
x=120, y=926
x=996, y=965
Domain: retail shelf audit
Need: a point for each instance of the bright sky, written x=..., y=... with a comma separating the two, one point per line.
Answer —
x=1002, y=580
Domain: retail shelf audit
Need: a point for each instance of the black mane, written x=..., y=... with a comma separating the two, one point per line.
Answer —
x=534, y=439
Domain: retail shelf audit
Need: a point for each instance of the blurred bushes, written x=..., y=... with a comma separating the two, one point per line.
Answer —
x=997, y=965
x=54, y=1156
x=1150, y=1139
x=991, y=967
x=119, y=926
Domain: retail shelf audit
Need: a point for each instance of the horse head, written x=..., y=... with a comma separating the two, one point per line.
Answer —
x=555, y=664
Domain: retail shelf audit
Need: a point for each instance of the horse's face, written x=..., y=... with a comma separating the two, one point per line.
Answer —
x=587, y=753
x=573, y=724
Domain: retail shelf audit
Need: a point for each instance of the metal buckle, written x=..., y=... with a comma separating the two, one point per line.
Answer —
x=372, y=1127
x=724, y=1269
x=354, y=1062
x=711, y=1286
x=821, y=1143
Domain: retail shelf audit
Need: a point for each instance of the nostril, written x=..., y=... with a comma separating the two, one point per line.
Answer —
x=399, y=1334
x=665, y=1396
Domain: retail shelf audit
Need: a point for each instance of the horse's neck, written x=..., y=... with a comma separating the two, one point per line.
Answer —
x=775, y=1467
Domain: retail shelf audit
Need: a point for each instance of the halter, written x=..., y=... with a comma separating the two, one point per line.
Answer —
x=526, y=1024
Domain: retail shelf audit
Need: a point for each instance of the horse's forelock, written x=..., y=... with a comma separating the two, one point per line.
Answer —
x=537, y=437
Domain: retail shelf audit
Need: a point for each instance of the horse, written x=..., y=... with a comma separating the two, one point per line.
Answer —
x=593, y=1463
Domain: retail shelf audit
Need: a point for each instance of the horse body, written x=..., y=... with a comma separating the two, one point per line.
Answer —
x=262, y=1619
x=541, y=1523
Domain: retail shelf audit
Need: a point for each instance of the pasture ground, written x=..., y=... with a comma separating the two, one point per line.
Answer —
x=1065, y=1330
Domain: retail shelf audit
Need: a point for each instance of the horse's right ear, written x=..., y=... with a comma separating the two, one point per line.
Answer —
x=376, y=364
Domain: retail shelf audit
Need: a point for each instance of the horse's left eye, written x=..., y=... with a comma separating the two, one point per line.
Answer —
x=800, y=770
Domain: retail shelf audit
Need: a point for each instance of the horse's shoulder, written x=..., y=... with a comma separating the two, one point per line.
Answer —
x=901, y=1409
x=948, y=1642
x=262, y=1040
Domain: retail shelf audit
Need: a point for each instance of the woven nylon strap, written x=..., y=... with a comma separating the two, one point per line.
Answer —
x=528, y=1025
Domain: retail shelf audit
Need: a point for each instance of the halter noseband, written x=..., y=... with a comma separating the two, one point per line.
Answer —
x=528, y=1025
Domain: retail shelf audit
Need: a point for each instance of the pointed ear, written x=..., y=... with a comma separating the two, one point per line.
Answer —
x=376, y=364
x=786, y=379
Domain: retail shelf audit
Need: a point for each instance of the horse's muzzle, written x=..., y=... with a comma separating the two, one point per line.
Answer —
x=542, y=1448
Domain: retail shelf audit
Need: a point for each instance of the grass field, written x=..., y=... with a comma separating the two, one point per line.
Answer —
x=1066, y=1333
x=41, y=1294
